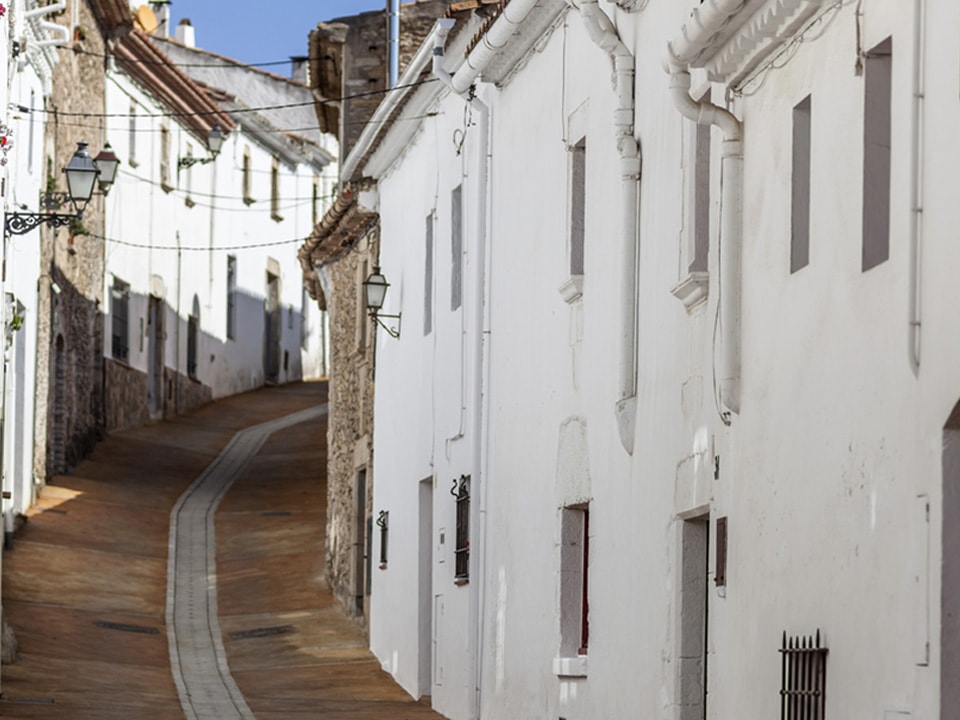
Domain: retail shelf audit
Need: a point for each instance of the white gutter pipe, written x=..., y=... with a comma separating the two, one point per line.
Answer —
x=481, y=327
x=494, y=40
x=679, y=53
x=50, y=27
x=604, y=34
x=916, y=186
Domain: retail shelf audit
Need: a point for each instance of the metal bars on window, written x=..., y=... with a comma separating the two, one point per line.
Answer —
x=461, y=491
x=803, y=678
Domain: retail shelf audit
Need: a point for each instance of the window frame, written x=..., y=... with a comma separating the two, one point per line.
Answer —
x=120, y=320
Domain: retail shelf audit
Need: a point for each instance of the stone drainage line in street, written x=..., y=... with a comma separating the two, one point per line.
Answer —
x=198, y=660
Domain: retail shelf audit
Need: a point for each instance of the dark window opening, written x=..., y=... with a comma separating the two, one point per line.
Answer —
x=461, y=554
x=578, y=206
x=876, y=155
x=120, y=312
x=456, y=248
x=800, y=188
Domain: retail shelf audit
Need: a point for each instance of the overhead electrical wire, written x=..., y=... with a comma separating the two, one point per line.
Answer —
x=209, y=248
x=225, y=63
x=235, y=111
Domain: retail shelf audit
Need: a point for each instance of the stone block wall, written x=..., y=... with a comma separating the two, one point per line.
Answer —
x=127, y=396
x=70, y=390
x=350, y=429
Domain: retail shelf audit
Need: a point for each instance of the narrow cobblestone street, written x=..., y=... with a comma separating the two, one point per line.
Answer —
x=86, y=586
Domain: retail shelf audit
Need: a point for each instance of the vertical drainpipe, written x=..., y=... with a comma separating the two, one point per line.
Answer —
x=731, y=229
x=481, y=341
x=916, y=186
x=393, y=10
x=604, y=34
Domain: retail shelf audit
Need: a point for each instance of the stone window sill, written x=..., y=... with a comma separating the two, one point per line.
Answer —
x=570, y=667
x=692, y=290
x=571, y=289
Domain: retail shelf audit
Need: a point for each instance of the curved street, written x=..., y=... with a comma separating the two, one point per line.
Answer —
x=116, y=559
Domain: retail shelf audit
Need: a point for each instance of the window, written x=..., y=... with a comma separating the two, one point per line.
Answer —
x=701, y=198
x=165, y=159
x=247, y=186
x=461, y=553
x=693, y=616
x=33, y=123
x=120, y=313
x=383, y=522
x=231, y=297
x=800, y=188
x=804, y=678
x=363, y=318
x=132, y=136
x=290, y=316
x=578, y=205
x=456, y=248
x=574, y=580
x=876, y=155
x=193, y=324
x=315, y=201
x=275, y=190
x=304, y=306
x=428, y=279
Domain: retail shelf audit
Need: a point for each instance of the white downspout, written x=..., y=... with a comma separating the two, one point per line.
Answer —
x=916, y=186
x=731, y=228
x=604, y=34
x=481, y=342
x=50, y=27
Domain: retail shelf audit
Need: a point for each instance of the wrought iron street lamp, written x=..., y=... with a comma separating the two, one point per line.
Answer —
x=375, y=290
x=81, y=174
x=214, y=143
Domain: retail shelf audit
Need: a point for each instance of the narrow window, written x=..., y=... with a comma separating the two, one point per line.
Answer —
x=120, y=312
x=247, y=186
x=304, y=306
x=574, y=580
x=800, y=188
x=275, y=190
x=456, y=249
x=701, y=198
x=383, y=522
x=132, y=136
x=193, y=325
x=359, y=540
x=315, y=201
x=578, y=205
x=720, y=574
x=231, y=297
x=461, y=554
x=428, y=279
x=33, y=123
x=363, y=319
x=165, y=158
x=876, y=155
x=290, y=314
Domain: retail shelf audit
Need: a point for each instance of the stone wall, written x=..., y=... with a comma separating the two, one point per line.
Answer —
x=127, y=396
x=70, y=416
x=183, y=393
x=350, y=430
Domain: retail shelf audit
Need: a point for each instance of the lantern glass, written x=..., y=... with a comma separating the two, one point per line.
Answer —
x=215, y=139
x=81, y=174
x=375, y=288
x=107, y=163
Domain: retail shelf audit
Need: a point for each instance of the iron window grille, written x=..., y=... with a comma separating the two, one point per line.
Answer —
x=383, y=520
x=803, y=678
x=461, y=554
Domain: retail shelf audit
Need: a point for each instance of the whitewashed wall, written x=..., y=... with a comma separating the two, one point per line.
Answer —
x=820, y=473
x=216, y=223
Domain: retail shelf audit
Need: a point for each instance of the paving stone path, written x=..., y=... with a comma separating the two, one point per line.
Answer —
x=205, y=686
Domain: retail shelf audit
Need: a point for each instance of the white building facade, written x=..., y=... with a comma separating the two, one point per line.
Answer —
x=685, y=341
x=206, y=292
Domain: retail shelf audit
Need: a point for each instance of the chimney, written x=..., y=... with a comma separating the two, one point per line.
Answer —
x=186, y=34
x=161, y=8
x=300, y=69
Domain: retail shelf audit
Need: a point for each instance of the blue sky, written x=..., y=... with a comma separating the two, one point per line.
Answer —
x=260, y=31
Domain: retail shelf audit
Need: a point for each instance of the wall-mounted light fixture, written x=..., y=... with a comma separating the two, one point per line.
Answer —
x=375, y=290
x=106, y=163
x=214, y=143
x=81, y=173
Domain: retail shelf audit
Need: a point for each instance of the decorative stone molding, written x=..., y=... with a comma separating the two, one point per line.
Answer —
x=692, y=290
x=571, y=289
x=632, y=5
